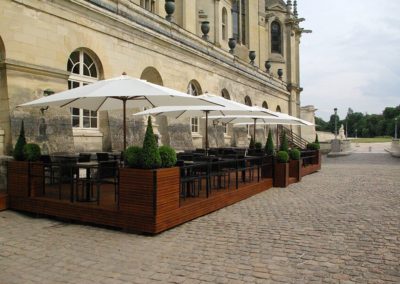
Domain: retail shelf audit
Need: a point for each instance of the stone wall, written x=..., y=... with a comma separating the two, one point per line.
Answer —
x=325, y=136
x=126, y=38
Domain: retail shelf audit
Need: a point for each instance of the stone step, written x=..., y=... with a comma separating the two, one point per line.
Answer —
x=3, y=201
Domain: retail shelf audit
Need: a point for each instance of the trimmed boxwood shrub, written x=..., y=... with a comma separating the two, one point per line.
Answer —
x=32, y=152
x=258, y=145
x=284, y=144
x=282, y=157
x=150, y=155
x=133, y=156
x=251, y=146
x=316, y=139
x=294, y=154
x=269, y=146
x=313, y=146
x=18, y=152
x=168, y=156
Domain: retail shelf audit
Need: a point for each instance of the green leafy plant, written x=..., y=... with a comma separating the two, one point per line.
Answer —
x=313, y=146
x=18, y=151
x=252, y=144
x=258, y=145
x=32, y=152
x=284, y=144
x=269, y=146
x=150, y=154
x=282, y=157
x=168, y=156
x=316, y=138
x=133, y=156
x=294, y=154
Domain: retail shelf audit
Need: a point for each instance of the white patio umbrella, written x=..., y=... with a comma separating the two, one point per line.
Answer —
x=222, y=108
x=279, y=118
x=116, y=93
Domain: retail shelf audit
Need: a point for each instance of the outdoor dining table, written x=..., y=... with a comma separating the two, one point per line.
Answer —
x=88, y=166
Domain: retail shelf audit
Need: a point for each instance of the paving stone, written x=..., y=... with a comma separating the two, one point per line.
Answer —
x=340, y=225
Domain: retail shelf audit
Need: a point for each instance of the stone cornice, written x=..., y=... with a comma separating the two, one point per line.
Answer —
x=11, y=64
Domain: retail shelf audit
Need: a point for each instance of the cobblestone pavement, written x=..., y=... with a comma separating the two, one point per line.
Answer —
x=341, y=225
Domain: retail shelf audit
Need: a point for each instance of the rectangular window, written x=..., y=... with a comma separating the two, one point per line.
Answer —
x=243, y=21
x=194, y=121
x=235, y=20
x=225, y=126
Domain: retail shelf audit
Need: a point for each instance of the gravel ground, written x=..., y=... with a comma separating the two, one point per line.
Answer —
x=341, y=225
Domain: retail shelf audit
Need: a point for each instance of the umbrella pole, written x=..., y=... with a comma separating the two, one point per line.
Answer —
x=124, y=122
x=254, y=134
x=206, y=133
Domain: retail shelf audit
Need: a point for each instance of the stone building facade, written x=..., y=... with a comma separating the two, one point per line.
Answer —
x=50, y=46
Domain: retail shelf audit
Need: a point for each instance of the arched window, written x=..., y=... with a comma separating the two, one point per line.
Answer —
x=225, y=94
x=194, y=89
x=224, y=21
x=148, y=5
x=83, y=71
x=276, y=37
x=247, y=101
x=239, y=21
x=265, y=105
x=278, y=109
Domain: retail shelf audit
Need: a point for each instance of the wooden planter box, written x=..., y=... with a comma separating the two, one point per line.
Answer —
x=145, y=195
x=25, y=179
x=281, y=174
x=294, y=169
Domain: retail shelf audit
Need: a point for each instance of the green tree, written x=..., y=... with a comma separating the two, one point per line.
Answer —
x=320, y=124
x=150, y=153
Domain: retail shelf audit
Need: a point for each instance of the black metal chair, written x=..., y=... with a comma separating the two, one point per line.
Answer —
x=107, y=173
x=102, y=157
x=188, y=180
x=84, y=157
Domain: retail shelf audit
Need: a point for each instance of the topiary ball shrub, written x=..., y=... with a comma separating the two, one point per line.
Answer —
x=32, y=152
x=133, y=156
x=150, y=155
x=294, y=154
x=258, y=145
x=18, y=152
x=269, y=146
x=168, y=156
x=284, y=144
x=282, y=157
x=313, y=146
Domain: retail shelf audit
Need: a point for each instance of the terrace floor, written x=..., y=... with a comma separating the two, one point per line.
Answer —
x=340, y=225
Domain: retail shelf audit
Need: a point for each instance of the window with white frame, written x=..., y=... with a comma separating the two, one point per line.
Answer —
x=83, y=71
x=225, y=94
x=247, y=102
x=194, y=121
x=148, y=5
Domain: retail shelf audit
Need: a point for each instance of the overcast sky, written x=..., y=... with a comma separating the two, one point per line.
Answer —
x=352, y=57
